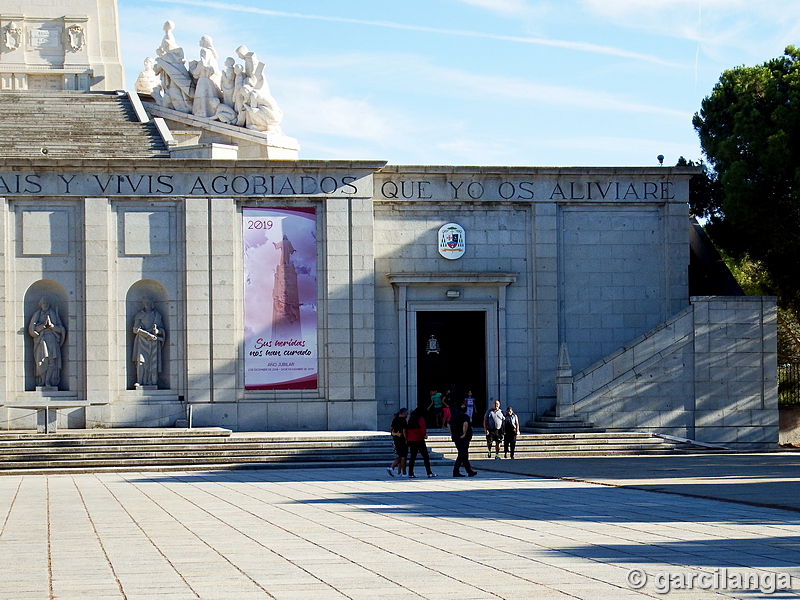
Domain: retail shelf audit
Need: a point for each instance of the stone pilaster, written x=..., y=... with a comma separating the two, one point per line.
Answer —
x=199, y=326
x=100, y=309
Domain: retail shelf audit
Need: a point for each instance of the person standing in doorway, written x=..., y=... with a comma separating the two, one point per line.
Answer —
x=447, y=401
x=416, y=434
x=469, y=402
x=510, y=432
x=436, y=406
x=493, y=426
x=461, y=434
x=398, y=430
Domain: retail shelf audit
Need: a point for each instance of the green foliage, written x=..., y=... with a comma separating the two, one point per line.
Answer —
x=704, y=199
x=749, y=128
x=755, y=280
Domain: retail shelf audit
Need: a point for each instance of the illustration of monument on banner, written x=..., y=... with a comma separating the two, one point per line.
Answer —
x=218, y=102
x=280, y=298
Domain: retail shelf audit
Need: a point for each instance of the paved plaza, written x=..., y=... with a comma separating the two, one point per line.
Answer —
x=356, y=533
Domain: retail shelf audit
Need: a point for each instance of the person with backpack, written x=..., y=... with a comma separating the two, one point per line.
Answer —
x=415, y=434
x=510, y=432
x=398, y=430
x=461, y=434
x=493, y=426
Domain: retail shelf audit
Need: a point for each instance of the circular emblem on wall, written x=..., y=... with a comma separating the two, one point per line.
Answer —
x=452, y=241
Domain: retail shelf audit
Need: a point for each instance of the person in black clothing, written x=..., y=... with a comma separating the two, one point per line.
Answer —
x=510, y=431
x=461, y=434
x=398, y=430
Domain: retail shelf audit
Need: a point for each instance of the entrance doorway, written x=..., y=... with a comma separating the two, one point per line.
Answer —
x=451, y=355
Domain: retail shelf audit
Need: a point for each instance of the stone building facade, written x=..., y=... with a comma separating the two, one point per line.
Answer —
x=160, y=267
x=593, y=259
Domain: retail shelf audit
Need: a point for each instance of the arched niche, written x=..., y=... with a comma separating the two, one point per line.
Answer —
x=147, y=289
x=54, y=293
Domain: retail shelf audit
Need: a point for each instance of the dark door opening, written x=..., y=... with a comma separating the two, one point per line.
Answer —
x=451, y=355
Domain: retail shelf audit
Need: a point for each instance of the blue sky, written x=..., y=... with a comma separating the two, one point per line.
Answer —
x=481, y=82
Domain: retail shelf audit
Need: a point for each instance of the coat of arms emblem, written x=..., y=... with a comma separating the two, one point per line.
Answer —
x=452, y=241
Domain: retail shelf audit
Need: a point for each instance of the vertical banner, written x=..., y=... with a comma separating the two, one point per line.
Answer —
x=280, y=298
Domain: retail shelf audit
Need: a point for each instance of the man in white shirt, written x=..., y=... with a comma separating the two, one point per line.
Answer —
x=493, y=426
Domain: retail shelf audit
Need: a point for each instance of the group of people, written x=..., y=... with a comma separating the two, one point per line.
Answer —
x=410, y=431
x=441, y=404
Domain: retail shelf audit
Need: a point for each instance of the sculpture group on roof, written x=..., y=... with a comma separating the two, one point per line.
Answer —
x=235, y=95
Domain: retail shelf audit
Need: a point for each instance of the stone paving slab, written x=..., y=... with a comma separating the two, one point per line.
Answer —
x=357, y=534
x=770, y=479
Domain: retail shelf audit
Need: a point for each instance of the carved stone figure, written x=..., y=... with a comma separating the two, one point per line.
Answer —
x=206, y=73
x=149, y=336
x=12, y=36
x=177, y=85
x=253, y=69
x=77, y=37
x=261, y=111
x=228, y=82
x=237, y=95
x=147, y=80
x=48, y=336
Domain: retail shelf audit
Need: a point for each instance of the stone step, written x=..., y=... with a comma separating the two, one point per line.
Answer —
x=547, y=430
x=571, y=444
x=189, y=450
x=182, y=443
x=554, y=419
x=181, y=449
x=566, y=439
x=119, y=433
x=379, y=465
x=87, y=124
x=555, y=435
x=206, y=455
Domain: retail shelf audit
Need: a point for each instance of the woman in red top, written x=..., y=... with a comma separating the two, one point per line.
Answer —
x=416, y=434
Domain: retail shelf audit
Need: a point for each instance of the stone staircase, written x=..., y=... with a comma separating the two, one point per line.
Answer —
x=549, y=422
x=97, y=450
x=75, y=125
x=93, y=450
x=551, y=445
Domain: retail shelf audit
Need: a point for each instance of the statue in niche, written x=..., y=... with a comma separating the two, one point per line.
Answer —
x=12, y=36
x=177, y=85
x=147, y=80
x=48, y=336
x=149, y=336
x=77, y=37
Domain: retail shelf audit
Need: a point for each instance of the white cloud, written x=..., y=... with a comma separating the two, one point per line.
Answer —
x=472, y=85
x=314, y=110
x=506, y=7
x=541, y=41
x=717, y=25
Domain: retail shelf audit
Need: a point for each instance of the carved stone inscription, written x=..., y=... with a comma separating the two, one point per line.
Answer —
x=457, y=188
x=546, y=188
x=182, y=184
x=44, y=37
